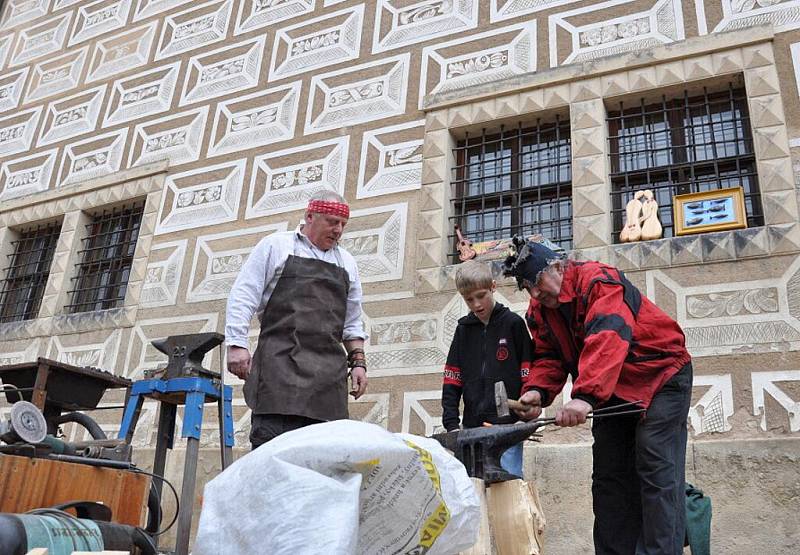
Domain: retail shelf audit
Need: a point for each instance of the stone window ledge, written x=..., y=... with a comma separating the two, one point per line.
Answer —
x=65, y=324
x=687, y=250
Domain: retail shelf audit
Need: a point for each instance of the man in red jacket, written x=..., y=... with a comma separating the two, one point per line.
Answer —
x=589, y=322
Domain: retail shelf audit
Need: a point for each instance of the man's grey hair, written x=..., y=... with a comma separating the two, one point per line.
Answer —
x=326, y=195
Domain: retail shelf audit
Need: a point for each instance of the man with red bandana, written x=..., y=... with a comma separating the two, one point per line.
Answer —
x=305, y=290
x=589, y=322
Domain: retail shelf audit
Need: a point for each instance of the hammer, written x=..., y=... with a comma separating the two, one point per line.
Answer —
x=503, y=403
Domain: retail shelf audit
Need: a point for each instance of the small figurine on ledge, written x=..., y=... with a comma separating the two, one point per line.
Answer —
x=641, y=218
x=465, y=250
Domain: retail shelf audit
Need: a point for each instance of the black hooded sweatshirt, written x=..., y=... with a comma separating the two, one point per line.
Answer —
x=481, y=355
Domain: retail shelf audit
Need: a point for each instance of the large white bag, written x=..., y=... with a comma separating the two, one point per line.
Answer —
x=340, y=488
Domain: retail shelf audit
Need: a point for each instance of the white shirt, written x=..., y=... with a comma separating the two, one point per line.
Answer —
x=259, y=276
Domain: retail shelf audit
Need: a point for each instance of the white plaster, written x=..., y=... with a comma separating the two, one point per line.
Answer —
x=719, y=396
x=399, y=164
x=490, y=56
x=764, y=384
x=421, y=21
x=256, y=14
x=379, y=413
x=5, y=48
x=56, y=75
x=96, y=355
x=11, y=85
x=311, y=45
x=379, y=252
x=141, y=95
x=502, y=10
x=147, y=8
x=358, y=94
x=209, y=75
x=255, y=120
x=17, y=130
x=664, y=24
x=27, y=175
x=179, y=142
x=201, y=197
x=15, y=357
x=110, y=57
x=214, y=278
x=93, y=157
x=97, y=18
x=197, y=27
x=412, y=405
x=163, y=278
x=45, y=38
x=738, y=14
x=283, y=181
x=72, y=116
x=17, y=12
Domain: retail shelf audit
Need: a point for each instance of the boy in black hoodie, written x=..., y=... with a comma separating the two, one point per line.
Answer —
x=490, y=344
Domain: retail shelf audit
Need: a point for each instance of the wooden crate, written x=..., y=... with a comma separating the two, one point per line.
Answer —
x=27, y=483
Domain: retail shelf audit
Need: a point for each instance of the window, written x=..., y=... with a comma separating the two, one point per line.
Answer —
x=26, y=277
x=101, y=277
x=682, y=145
x=515, y=182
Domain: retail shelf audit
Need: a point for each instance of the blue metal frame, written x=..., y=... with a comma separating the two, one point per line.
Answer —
x=199, y=391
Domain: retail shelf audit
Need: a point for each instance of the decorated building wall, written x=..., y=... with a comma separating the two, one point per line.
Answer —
x=223, y=117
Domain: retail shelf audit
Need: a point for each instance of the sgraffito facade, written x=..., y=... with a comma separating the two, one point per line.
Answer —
x=218, y=120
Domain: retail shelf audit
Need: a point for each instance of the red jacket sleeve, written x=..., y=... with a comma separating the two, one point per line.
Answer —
x=608, y=330
x=547, y=374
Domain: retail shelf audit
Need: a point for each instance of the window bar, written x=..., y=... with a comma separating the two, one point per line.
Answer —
x=102, y=275
x=26, y=276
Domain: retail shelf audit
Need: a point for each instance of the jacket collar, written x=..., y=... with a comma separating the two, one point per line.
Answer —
x=567, y=293
x=498, y=309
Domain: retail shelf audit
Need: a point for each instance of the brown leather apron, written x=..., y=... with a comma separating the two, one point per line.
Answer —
x=299, y=366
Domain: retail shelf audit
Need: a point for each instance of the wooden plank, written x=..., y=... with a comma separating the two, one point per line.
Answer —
x=29, y=483
x=484, y=544
x=516, y=518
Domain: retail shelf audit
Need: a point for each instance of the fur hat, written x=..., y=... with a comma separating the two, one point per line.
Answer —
x=527, y=260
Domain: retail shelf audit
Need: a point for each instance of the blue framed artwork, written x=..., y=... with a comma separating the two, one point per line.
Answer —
x=709, y=211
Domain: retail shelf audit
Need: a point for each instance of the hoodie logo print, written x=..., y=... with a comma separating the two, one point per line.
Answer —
x=502, y=350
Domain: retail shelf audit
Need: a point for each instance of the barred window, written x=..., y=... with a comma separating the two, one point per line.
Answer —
x=101, y=277
x=687, y=144
x=26, y=277
x=515, y=182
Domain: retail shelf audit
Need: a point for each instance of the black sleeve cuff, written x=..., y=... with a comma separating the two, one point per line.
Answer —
x=594, y=401
x=542, y=394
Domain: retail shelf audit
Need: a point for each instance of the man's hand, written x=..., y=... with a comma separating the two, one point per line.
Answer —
x=239, y=361
x=358, y=381
x=533, y=401
x=573, y=413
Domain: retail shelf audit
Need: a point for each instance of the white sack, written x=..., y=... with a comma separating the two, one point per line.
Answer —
x=340, y=488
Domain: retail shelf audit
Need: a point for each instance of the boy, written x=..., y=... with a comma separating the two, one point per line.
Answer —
x=490, y=344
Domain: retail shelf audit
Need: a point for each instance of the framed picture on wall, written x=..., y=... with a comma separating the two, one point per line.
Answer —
x=709, y=211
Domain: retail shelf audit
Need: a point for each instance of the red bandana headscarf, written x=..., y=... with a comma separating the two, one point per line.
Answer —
x=329, y=207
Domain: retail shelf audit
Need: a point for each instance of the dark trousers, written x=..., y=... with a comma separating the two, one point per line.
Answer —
x=264, y=427
x=639, y=474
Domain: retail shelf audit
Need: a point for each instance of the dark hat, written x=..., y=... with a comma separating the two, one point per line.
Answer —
x=527, y=260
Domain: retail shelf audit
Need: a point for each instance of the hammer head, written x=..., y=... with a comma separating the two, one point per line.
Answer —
x=501, y=399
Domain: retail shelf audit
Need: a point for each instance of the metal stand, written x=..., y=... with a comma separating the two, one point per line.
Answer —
x=193, y=393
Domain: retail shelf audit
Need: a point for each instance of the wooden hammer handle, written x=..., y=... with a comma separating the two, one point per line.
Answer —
x=513, y=404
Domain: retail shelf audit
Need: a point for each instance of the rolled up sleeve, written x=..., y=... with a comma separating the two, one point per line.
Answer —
x=246, y=295
x=353, y=325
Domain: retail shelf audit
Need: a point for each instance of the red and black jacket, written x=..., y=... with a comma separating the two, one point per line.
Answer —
x=479, y=357
x=610, y=338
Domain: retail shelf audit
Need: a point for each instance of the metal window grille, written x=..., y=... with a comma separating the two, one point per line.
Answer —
x=26, y=277
x=515, y=182
x=101, y=277
x=682, y=145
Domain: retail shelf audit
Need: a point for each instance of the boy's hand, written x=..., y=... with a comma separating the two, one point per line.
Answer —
x=533, y=405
